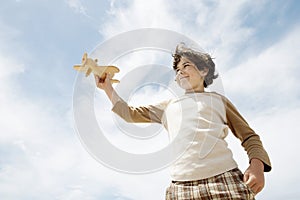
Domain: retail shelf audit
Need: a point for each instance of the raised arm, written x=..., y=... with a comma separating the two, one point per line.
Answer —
x=142, y=114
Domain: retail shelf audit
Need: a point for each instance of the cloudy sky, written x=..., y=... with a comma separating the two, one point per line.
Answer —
x=256, y=49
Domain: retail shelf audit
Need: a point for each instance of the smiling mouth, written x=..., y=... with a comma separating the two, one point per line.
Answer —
x=183, y=77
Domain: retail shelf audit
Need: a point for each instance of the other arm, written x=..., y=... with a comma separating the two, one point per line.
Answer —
x=258, y=158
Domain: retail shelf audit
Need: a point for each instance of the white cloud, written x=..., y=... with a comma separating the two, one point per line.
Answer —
x=77, y=6
x=273, y=73
x=37, y=147
x=279, y=131
x=10, y=67
x=139, y=14
x=9, y=64
x=217, y=26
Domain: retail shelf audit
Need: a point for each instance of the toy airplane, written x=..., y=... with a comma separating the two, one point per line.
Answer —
x=89, y=65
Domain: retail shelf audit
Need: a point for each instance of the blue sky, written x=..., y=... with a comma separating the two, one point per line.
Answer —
x=256, y=46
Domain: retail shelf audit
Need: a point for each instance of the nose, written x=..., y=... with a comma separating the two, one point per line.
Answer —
x=180, y=71
x=178, y=74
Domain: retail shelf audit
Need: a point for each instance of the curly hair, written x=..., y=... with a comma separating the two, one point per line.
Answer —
x=200, y=59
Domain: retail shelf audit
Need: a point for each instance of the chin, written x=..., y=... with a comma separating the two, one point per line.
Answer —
x=185, y=87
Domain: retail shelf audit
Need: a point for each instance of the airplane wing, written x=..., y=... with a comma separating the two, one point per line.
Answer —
x=111, y=68
x=114, y=81
x=79, y=68
x=101, y=70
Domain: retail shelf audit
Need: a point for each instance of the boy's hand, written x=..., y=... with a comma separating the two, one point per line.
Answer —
x=254, y=175
x=103, y=83
x=106, y=85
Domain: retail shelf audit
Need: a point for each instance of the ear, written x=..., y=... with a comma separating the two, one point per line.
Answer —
x=204, y=72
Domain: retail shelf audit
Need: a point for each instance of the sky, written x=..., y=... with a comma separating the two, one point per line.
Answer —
x=256, y=49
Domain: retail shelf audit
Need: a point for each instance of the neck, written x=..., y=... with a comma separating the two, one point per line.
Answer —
x=198, y=89
x=193, y=91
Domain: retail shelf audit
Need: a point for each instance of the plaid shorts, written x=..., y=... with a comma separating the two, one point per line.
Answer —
x=228, y=185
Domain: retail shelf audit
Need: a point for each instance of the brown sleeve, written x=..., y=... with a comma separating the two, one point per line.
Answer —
x=250, y=140
x=142, y=114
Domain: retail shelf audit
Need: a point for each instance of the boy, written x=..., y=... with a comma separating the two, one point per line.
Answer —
x=205, y=169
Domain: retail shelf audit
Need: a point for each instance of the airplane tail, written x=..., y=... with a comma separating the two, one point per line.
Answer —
x=88, y=72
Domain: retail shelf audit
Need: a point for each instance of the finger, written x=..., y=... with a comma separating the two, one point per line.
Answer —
x=259, y=189
x=254, y=188
x=108, y=76
x=96, y=78
x=250, y=182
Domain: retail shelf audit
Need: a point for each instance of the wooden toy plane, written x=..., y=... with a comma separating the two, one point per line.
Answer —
x=88, y=65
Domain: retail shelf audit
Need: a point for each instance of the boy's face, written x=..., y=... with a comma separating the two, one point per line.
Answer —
x=188, y=76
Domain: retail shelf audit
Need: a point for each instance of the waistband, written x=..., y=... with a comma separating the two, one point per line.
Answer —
x=232, y=172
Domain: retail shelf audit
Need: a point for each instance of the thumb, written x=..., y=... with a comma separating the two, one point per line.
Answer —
x=246, y=177
x=97, y=78
x=108, y=77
